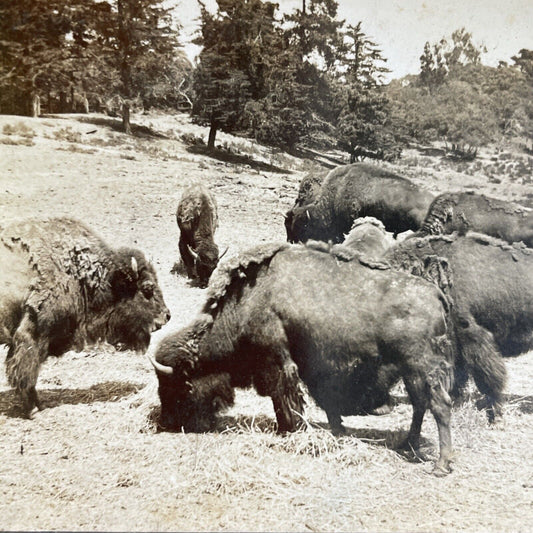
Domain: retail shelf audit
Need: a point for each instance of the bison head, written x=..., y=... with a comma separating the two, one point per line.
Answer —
x=178, y=366
x=137, y=307
x=303, y=224
x=205, y=260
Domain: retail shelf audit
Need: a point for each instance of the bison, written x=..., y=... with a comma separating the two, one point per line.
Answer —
x=197, y=218
x=464, y=211
x=62, y=287
x=490, y=285
x=369, y=236
x=278, y=313
x=360, y=190
x=307, y=193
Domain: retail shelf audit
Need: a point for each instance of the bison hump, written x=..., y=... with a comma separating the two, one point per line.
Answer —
x=236, y=270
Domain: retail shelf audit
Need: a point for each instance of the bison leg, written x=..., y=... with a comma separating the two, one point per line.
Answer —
x=430, y=389
x=335, y=423
x=287, y=399
x=440, y=404
x=187, y=258
x=23, y=362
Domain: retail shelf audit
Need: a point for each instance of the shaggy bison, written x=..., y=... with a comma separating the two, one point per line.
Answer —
x=490, y=285
x=63, y=287
x=197, y=218
x=360, y=190
x=464, y=211
x=348, y=330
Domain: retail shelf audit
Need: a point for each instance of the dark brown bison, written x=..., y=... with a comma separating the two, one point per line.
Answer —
x=197, y=217
x=63, y=287
x=360, y=190
x=349, y=331
x=468, y=211
x=490, y=285
x=307, y=193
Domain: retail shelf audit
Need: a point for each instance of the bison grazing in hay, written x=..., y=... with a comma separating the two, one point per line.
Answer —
x=63, y=287
x=490, y=285
x=464, y=211
x=360, y=190
x=348, y=330
x=307, y=193
x=197, y=218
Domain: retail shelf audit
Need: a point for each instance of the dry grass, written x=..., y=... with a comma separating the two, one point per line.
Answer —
x=94, y=459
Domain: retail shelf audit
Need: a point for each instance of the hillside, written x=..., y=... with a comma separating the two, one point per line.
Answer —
x=92, y=460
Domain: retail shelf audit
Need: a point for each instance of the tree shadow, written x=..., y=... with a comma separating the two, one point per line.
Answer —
x=110, y=391
x=137, y=130
x=235, y=159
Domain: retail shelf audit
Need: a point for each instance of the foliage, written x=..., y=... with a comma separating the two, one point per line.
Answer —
x=87, y=47
x=231, y=65
x=459, y=100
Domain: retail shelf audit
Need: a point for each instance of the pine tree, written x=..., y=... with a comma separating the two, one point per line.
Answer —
x=233, y=62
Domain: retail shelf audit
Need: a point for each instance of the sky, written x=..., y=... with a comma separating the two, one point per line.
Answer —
x=402, y=27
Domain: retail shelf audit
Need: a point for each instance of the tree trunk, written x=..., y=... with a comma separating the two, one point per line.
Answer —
x=212, y=135
x=126, y=118
x=35, y=105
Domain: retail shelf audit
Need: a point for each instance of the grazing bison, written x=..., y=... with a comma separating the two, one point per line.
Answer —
x=360, y=190
x=307, y=192
x=348, y=330
x=490, y=285
x=464, y=211
x=63, y=287
x=197, y=218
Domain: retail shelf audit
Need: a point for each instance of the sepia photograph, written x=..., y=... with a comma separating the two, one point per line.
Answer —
x=266, y=266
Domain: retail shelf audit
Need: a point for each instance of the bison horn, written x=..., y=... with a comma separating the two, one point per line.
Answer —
x=164, y=369
x=134, y=266
x=192, y=252
x=223, y=253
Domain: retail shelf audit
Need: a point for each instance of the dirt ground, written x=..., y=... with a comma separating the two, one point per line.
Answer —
x=92, y=460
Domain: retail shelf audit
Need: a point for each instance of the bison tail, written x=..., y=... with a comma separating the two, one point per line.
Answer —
x=484, y=363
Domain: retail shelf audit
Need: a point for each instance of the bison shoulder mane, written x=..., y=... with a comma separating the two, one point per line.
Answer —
x=234, y=272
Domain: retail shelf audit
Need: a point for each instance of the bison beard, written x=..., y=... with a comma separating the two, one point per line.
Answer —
x=277, y=314
x=66, y=288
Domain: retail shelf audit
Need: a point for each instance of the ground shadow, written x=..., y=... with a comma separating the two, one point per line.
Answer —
x=137, y=130
x=110, y=391
x=235, y=159
x=523, y=403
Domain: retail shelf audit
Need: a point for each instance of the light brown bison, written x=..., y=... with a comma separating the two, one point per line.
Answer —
x=348, y=330
x=197, y=218
x=64, y=287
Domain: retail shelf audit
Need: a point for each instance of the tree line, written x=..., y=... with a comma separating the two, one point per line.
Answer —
x=293, y=80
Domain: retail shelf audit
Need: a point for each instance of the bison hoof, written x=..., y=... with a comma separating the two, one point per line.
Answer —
x=440, y=470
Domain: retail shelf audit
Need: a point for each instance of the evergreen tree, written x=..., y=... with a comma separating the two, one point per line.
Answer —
x=361, y=122
x=232, y=65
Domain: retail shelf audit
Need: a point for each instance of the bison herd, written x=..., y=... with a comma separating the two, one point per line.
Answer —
x=379, y=282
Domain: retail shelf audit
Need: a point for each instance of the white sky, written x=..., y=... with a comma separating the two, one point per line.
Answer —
x=401, y=27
